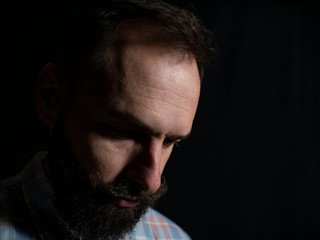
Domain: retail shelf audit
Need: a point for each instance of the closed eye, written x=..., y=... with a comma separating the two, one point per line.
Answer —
x=111, y=131
x=169, y=142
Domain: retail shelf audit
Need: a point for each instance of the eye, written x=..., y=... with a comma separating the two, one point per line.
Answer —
x=115, y=132
x=169, y=142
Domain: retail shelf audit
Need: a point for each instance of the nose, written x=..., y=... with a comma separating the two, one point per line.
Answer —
x=145, y=168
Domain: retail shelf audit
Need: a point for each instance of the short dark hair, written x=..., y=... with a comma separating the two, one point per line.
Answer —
x=93, y=25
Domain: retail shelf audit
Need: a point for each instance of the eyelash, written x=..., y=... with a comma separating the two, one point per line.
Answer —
x=111, y=131
x=120, y=133
x=169, y=142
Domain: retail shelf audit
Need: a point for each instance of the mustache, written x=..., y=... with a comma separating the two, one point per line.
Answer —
x=127, y=189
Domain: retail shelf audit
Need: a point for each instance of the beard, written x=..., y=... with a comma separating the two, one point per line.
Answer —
x=83, y=205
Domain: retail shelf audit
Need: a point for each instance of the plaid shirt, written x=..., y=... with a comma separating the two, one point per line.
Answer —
x=27, y=210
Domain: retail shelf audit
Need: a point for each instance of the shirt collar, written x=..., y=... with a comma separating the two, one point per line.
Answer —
x=39, y=197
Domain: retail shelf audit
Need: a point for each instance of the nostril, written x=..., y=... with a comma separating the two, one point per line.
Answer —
x=135, y=188
x=145, y=179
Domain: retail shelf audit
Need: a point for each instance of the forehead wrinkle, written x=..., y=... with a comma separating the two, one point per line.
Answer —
x=163, y=89
x=167, y=102
x=153, y=110
x=158, y=92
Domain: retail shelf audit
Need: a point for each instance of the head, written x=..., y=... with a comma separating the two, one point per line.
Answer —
x=125, y=89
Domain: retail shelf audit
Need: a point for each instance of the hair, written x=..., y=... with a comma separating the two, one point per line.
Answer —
x=93, y=27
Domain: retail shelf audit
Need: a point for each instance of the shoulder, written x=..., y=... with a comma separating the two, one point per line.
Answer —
x=10, y=194
x=154, y=225
x=15, y=222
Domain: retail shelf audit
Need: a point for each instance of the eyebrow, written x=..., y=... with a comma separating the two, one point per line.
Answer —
x=127, y=117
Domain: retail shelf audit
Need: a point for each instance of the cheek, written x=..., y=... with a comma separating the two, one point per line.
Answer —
x=165, y=157
x=108, y=158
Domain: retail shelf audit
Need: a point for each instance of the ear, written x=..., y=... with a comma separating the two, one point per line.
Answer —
x=49, y=94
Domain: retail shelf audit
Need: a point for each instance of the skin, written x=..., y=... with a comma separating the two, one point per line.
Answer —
x=127, y=129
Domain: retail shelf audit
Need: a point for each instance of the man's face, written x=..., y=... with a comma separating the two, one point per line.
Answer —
x=126, y=129
x=129, y=130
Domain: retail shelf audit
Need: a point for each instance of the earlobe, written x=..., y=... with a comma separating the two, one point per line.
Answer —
x=49, y=97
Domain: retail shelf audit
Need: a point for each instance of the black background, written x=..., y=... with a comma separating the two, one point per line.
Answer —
x=252, y=166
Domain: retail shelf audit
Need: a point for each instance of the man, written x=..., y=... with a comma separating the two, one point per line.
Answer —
x=123, y=91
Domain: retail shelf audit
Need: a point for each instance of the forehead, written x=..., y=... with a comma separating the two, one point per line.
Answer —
x=143, y=48
x=156, y=84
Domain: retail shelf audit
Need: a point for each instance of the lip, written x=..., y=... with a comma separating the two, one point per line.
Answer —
x=124, y=202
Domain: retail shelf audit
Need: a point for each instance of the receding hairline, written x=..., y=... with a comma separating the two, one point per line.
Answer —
x=141, y=31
